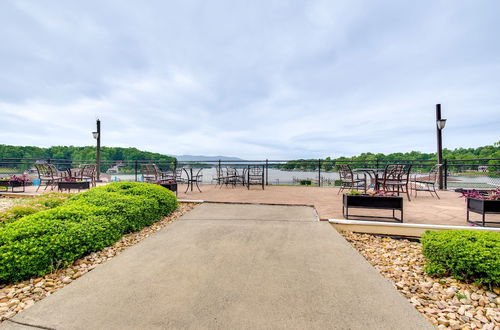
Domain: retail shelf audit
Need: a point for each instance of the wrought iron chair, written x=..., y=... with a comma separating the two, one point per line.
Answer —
x=148, y=172
x=255, y=175
x=231, y=177
x=348, y=180
x=219, y=176
x=396, y=179
x=427, y=183
x=89, y=173
x=49, y=174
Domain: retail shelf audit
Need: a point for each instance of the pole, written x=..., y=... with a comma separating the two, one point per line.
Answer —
x=319, y=172
x=439, y=146
x=135, y=170
x=98, y=151
x=267, y=172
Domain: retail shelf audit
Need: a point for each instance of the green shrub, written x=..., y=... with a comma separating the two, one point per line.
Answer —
x=464, y=254
x=33, y=205
x=41, y=242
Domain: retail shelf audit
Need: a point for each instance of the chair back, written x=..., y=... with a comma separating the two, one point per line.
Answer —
x=397, y=172
x=43, y=171
x=231, y=171
x=148, y=172
x=89, y=171
x=345, y=173
x=255, y=170
x=433, y=174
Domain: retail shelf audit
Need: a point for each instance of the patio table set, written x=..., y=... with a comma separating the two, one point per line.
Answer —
x=387, y=183
x=193, y=176
x=82, y=177
x=394, y=178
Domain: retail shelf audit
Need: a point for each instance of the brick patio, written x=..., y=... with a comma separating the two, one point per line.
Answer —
x=449, y=210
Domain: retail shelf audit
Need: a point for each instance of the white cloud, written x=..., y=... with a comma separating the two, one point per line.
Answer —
x=257, y=80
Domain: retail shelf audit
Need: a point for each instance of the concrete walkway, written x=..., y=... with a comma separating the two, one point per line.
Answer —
x=225, y=266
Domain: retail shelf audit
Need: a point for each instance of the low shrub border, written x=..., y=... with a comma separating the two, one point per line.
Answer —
x=464, y=254
x=38, y=243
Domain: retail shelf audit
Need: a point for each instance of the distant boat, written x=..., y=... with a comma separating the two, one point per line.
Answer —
x=113, y=170
x=30, y=171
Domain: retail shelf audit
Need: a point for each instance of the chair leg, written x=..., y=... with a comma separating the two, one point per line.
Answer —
x=434, y=187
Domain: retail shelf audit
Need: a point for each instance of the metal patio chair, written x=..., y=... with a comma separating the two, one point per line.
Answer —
x=396, y=179
x=350, y=181
x=427, y=183
x=49, y=174
x=255, y=175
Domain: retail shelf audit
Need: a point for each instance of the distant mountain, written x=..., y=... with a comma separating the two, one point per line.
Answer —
x=190, y=158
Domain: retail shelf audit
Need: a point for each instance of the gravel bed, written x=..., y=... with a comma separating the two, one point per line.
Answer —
x=6, y=203
x=20, y=296
x=446, y=302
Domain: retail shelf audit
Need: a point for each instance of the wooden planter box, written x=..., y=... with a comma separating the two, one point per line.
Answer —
x=483, y=207
x=73, y=185
x=170, y=186
x=12, y=185
x=373, y=202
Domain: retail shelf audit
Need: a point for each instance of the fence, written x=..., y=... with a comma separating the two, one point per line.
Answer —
x=465, y=173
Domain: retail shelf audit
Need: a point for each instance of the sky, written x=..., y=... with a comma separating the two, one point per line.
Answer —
x=253, y=79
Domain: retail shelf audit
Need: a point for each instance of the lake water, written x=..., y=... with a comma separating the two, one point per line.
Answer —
x=274, y=176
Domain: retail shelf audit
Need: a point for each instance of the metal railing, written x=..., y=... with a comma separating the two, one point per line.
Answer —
x=457, y=173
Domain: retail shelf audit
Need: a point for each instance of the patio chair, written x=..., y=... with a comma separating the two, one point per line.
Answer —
x=89, y=173
x=427, y=183
x=219, y=176
x=396, y=179
x=49, y=174
x=348, y=180
x=153, y=174
x=255, y=175
x=231, y=177
x=148, y=173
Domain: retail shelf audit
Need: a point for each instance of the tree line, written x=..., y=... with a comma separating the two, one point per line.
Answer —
x=109, y=155
x=368, y=159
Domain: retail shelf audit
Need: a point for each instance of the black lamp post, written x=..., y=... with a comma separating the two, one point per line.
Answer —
x=440, y=124
x=97, y=136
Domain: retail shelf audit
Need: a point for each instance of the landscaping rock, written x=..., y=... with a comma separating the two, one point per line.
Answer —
x=402, y=262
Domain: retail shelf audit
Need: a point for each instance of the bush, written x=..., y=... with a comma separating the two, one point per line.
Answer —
x=33, y=205
x=464, y=254
x=39, y=243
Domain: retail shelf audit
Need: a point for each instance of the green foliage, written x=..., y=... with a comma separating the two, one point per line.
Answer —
x=38, y=243
x=86, y=154
x=32, y=205
x=328, y=164
x=464, y=254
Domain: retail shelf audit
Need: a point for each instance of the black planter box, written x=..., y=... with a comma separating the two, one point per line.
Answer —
x=483, y=207
x=73, y=185
x=170, y=186
x=12, y=184
x=373, y=202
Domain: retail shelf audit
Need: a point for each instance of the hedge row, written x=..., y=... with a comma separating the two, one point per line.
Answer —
x=464, y=254
x=39, y=243
x=32, y=206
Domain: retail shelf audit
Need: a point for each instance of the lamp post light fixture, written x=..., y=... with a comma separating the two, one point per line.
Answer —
x=440, y=124
x=97, y=136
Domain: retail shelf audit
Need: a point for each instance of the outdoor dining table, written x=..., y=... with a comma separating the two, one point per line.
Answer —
x=192, y=179
x=373, y=173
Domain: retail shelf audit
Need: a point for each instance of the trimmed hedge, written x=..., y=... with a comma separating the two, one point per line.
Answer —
x=39, y=243
x=464, y=254
x=32, y=206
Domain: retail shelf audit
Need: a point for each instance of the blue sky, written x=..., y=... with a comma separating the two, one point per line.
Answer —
x=253, y=79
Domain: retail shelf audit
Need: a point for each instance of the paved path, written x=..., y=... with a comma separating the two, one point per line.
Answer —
x=225, y=266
